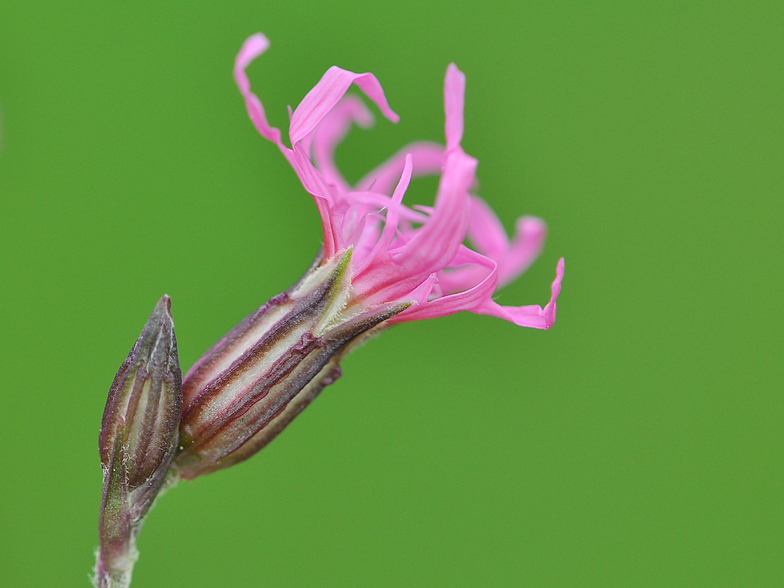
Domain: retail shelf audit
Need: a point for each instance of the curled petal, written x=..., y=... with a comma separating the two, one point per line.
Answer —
x=251, y=49
x=485, y=231
x=525, y=248
x=489, y=237
x=533, y=316
x=327, y=93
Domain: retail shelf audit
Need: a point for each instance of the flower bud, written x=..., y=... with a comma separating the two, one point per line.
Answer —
x=138, y=439
x=252, y=383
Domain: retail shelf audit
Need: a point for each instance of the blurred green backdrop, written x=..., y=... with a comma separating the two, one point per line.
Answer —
x=637, y=443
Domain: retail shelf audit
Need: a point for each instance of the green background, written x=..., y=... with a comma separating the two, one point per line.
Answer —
x=637, y=443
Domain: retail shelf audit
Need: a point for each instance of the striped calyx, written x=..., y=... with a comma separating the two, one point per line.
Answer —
x=265, y=371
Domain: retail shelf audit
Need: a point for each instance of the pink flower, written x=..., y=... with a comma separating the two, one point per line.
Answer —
x=400, y=254
x=382, y=263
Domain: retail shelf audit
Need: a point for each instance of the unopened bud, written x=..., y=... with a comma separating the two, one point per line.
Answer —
x=138, y=439
x=251, y=384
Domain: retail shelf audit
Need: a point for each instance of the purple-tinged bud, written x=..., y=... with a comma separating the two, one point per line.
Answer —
x=139, y=435
x=252, y=383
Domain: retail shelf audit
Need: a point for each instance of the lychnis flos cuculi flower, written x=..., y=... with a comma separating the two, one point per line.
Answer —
x=382, y=263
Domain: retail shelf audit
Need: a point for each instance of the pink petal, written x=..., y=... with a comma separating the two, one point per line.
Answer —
x=332, y=130
x=486, y=232
x=427, y=158
x=383, y=201
x=460, y=279
x=489, y=237
x=251, y=49
x=525, y=248
x=470, y=299
x=254, y=46
x=393, y=214
x=454, y=94
x=529, y=316
x=435, y=244
x=308, y=175
x=370, y=230
x=430, y=247
x=325, y=197
x=420, y=295
x=327, y=93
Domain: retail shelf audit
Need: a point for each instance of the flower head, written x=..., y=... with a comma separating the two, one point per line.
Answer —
x=382, y=263
x=402, y=254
